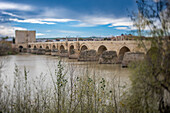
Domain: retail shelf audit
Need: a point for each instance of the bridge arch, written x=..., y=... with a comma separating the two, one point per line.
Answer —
x=122, y=51
x=84, y=47
x=53, y=47
x=29, y=46
x=47, y=47
x=20, y=48
x=41, y=47
x=71, y=49
x=101, y=49
x=62, y=47
x=35, y=46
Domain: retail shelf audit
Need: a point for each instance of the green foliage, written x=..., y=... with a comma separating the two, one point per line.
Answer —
x=145, y=92
x=151, y=78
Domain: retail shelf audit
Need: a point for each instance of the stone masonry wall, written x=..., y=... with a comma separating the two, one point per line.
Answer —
x=88, y=55
x=108, y=57
x=132, y=57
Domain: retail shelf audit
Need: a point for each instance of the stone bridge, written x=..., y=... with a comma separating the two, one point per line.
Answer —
x=78, y=46
x=108, y=51
x=73, y=49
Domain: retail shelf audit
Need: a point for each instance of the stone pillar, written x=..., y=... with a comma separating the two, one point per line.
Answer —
x=108, y=57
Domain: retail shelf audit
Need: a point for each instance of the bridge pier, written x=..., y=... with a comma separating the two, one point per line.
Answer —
x=108, y=57
x=64, y=53
x=47, y=52
x=34, y=51
x=24, y=50
x=54, y=52
x=88, y=55
x=41, y=51
x=74, y=54
x=29, y=50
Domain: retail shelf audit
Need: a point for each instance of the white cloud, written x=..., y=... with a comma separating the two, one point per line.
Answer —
x=57, y=20
x=39, y=34
x=41, y=21
x=121, y=23
x=122, y=28
x=10, y=14
x=84, y=25
x=35, y=21
x=66, y=31
x=15, y=6
x=90, y=21
x=9, y=30
x=57, y=12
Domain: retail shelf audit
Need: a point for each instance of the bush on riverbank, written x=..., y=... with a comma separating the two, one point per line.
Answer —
x=6, y=48
x=150, y=91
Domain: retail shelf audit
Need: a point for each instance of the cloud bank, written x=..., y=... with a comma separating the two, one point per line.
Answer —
x=15, y=6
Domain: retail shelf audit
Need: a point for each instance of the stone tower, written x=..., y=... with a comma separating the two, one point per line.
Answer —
x=24, y=36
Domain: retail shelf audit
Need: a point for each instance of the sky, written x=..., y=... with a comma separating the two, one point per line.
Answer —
x=67, y=18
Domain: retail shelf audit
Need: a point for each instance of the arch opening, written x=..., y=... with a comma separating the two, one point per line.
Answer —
x=35, y=47
x=54, y=47
x=84, y=47
x=29, y=46
x=47, y=47
x=41, y=47
x=122, y=52
x=72, y=51
x=101, y=49
x=20, y=48
x=62, y=47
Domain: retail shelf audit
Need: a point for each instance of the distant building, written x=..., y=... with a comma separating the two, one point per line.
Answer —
x=24, y=36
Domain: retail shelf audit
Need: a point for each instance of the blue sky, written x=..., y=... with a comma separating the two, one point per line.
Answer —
x=61, y=18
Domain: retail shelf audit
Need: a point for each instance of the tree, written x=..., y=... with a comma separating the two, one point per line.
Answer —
x=151, y=80
x=4, y=38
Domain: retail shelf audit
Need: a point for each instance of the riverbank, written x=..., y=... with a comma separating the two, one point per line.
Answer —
x=6, y=48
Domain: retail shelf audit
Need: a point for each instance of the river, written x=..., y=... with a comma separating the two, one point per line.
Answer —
x=38, y=65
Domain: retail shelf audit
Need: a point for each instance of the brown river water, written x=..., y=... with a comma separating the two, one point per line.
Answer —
x=38, y=65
